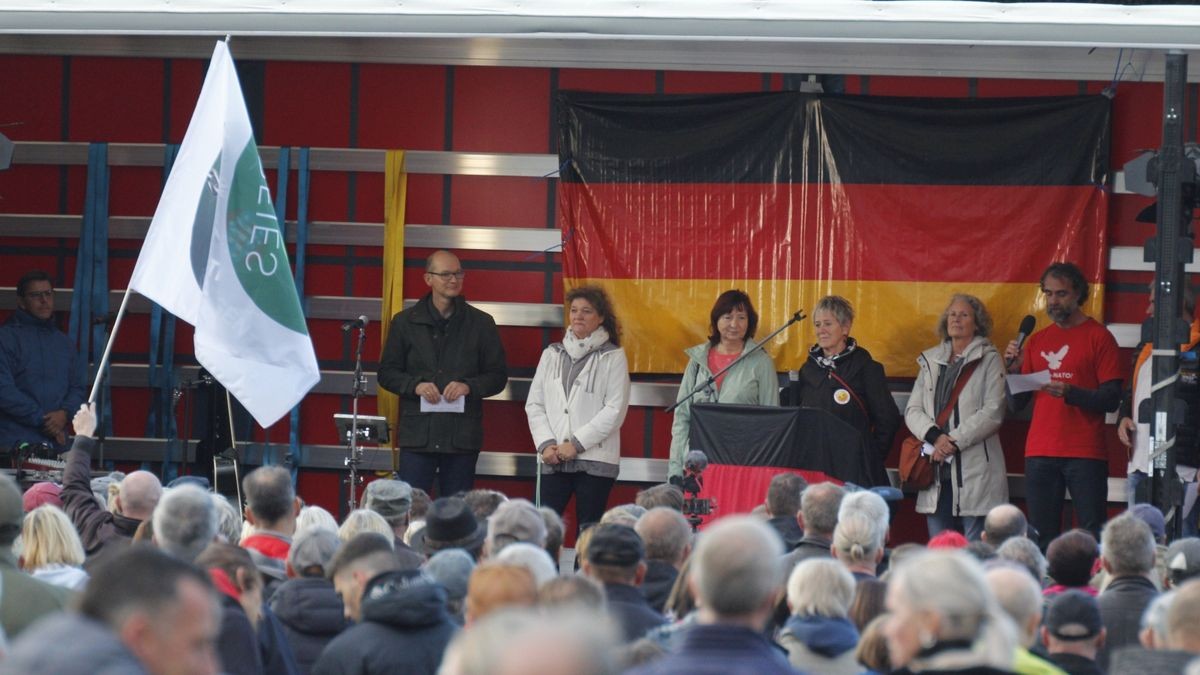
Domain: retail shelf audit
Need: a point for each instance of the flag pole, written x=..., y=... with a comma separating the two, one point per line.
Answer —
x=112, y=337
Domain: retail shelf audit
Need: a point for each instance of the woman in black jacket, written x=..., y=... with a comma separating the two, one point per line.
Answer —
x=842, y=379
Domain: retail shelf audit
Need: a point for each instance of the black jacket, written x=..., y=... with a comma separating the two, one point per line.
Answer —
x=818, y=389
x=237, y=643
x=628, y=607
x=405, y=629
x=657, y=585
x=469, y=351
x=1122, y=604
x=312, y=616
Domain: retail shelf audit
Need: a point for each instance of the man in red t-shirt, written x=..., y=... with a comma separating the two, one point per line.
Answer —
x=1065, y=445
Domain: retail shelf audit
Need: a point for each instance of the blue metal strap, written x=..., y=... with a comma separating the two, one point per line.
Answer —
x=294, y=459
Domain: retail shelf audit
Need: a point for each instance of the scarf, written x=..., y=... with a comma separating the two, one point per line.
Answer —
x=830, y=362
x=577, y=348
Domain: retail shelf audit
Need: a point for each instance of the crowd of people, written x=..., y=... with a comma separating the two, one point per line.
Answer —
x=137, y=577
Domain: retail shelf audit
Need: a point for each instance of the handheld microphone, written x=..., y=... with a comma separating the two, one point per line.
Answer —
x=1023, y=332
x=360, y=322
x=695, y=462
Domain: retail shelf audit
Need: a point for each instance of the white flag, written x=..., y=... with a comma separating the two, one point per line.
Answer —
x=215, y=257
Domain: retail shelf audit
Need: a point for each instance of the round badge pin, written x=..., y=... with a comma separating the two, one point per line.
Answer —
x=841, y=396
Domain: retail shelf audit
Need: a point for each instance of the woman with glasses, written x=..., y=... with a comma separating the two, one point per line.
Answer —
x=577, y=401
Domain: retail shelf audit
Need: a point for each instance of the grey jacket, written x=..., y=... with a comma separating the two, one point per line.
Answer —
x=751, y=382
x=979, y=477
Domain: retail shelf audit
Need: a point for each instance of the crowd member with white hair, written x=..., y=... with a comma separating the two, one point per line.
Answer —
x=315, y=516
x=943, y=618
x=858, y=544
x=364, y=520
x=185, y=522
x=532, y=558
x=819, y=636
x=736, y=575
x=1021, y=598
x=1024, y=552
x=229, y=519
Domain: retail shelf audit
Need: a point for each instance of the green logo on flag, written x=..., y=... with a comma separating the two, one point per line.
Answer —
x=256, y=244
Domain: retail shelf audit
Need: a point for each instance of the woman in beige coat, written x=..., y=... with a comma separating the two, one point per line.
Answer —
x=970, y=474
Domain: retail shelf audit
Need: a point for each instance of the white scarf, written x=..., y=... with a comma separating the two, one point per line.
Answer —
x=577, y=349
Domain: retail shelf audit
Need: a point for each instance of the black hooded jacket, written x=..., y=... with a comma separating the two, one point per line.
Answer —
x=312, y=616
x=405, y=629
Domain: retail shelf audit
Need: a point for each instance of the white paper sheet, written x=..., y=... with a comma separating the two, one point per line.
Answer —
x=443, y=406
x=1019, y=384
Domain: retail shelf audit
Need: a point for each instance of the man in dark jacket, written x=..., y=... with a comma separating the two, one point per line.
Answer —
x=1127, y=554
x=616, y=558
x=307, y=604
x=403, y=626
x=818, y=517
x=41, y=378
x=439, y=354
x=668, y=539
x=736, y=575
x=783, y=505
x=98, y=528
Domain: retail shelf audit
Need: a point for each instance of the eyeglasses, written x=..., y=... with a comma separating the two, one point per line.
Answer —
x=39, y=295
x=445, y=276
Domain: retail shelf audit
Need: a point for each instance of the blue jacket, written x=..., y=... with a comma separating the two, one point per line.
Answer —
x=720, y=650
x=40, y=372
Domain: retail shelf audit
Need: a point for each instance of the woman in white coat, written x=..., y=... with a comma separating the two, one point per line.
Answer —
x=577, y=401
x=971, y=476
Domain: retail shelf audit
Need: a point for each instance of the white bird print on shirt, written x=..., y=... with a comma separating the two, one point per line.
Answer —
x=1055, y=359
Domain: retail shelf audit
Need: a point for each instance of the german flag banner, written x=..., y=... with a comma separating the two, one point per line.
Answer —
x=893, y=203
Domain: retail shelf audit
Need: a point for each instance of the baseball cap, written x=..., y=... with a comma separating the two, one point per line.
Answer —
x=38, y=494
x=1073, y=615
x=1149, y=514
x=616, y=545
x=1183, y=559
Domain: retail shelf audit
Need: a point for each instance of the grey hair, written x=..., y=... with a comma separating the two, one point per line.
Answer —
x=532, y=558
x=737, y=566
x=836, y=305
x=1154, y=618
x=869, y=504
x=505, y=639
x=1022, y=551
x=315, y=516
x=364, y=520
x=1127, y=545
x=983, y=320
x=1018, y=595
x=623, y=514
x=229, y=519
x=185, y=522
x=857, y=538
x=665, y=532
x=820, y=587
x=819, y=504
x=951, y=585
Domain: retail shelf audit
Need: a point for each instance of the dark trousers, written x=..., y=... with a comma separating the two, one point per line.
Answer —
x=1046, y=478
x=455, y=471
x=591, y=495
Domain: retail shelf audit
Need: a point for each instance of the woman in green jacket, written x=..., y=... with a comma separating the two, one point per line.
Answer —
x=732, y=323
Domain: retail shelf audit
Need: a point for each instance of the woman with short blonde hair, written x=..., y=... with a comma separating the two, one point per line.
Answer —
x=51, y=549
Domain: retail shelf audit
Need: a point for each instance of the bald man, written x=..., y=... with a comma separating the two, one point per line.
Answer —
x=100, y=529
x=442, y=357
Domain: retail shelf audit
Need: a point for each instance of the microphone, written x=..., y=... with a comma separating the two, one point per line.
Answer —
x=1023, y=332
x=360, y=322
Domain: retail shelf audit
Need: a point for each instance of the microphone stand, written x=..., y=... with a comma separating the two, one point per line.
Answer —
x=360, y=388
x=708, y=383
